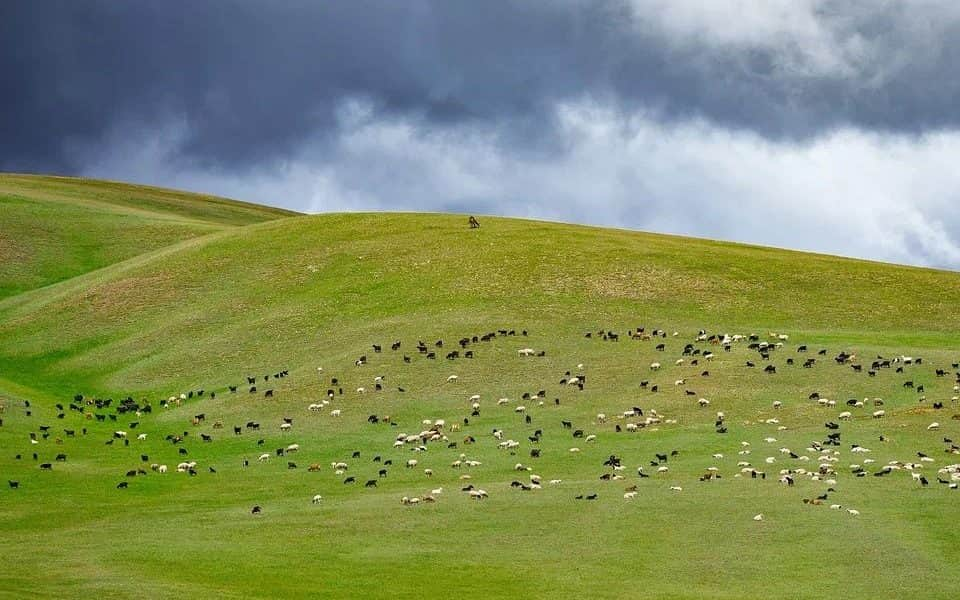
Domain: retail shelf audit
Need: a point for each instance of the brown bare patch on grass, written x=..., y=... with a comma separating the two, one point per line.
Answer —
x=643, y=282
x=10, y=252
x=128, y=295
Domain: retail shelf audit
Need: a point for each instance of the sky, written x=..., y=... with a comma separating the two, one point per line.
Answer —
x=825, y=126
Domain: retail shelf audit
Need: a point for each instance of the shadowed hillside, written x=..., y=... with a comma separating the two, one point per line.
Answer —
x=54, y=228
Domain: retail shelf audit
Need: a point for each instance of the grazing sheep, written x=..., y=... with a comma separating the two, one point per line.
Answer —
x=452, y=379
x=758, y=517
x=654, y=366
x=264, y=457
x=877, y=414
x=317, y=499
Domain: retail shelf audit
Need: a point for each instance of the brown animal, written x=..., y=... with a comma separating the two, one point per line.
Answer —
x=474, y=223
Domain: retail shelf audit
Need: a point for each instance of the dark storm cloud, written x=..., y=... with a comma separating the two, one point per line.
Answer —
x=252, y=81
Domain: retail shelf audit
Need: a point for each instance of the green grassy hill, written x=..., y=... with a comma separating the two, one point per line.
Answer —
x=238, y=293
x=54, y=228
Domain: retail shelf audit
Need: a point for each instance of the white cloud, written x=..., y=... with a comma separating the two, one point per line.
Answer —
x=851, y=193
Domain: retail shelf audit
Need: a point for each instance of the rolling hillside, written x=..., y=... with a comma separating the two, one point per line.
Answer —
x=236, y=296
x=54, y=228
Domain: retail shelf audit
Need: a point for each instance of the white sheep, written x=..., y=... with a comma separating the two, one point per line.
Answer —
x=602, y=418
x=452, y=378
x=286, y=427
x=293, y=448
x=264, y=457
x=317, y=499
x=654, y=366
x=335, y=412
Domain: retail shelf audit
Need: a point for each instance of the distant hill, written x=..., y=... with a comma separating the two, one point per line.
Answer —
x=54, y=228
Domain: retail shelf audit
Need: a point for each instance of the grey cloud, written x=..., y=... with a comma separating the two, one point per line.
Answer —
x=254, y=81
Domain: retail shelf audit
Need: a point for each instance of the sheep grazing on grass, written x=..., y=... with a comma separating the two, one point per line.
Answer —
x=758, y=517
x=317, y=499
x=452, y=378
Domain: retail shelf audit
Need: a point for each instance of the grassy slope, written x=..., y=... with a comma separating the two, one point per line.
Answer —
x=312, y=291
x=54, y=228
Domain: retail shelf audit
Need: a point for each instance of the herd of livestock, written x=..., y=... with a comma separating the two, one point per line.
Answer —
x=453, y=439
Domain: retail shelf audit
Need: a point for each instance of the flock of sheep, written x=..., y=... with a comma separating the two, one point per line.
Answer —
x=455, y=436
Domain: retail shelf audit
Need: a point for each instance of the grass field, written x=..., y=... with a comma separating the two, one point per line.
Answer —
x=112, y=291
